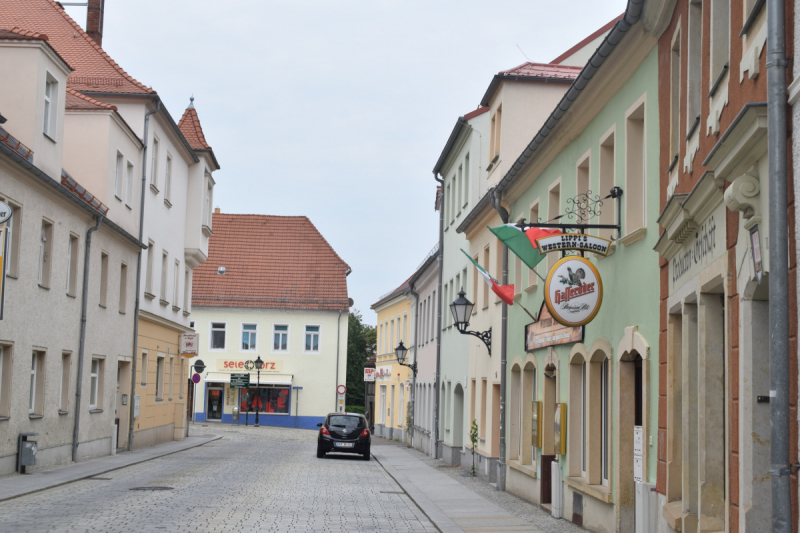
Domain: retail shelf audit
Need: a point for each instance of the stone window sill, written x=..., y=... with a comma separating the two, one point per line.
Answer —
x=673, y=513
x=149, y=295
x=528, y=470
x=95, y=411
x=207, y=231
x=163, y=302
x=71, y=296
x=634, y=236
x=2, y=418
x=44, y=287
x=186, y=313
x=176, y=308
x=601, y=492
x=60, y=412
x=167, y=203
x=12, y=276
x=154, y=188
x=530, y=288
x=35, y=417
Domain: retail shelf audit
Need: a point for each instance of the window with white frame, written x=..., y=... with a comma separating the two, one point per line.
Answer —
x=123, y=288
x=63, y=392
x=209, y=199
x=129, y=184
x=103, y=279
x=460, y=188
x=94, y=384
x=466, y=180
x=218, y=335
x=607, y=177
x=154, y=165
x=119, y=176
x=604, y=455
x=280, y=338
x=164, y=275
x=312, y=339
x=168, y=182
x=249, y=337
x=171, y=375
x=160, y=371
x=36, y=398
x=50, y=106
x=12, y=240
x=694, y=60
x=635, y=162
x=72, y=264
x=175, y=284
x=45, y=253
x=148, y=283
x=187, y=290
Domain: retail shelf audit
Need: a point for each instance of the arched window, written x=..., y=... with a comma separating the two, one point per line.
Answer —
x=516, y=411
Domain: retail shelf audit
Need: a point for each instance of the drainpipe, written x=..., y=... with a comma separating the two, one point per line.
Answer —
x=338, y=335
x=501, y=466
x=438, y=328
x=82, y=345
x=414, y=374
x=780, y=469
x=139, y=277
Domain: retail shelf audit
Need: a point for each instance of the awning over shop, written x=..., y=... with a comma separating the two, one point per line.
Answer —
x=266, y=378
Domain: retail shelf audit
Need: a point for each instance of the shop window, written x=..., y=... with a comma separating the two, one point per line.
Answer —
x=265, y=399
x=280, y=338
x=482, y=421
x=576, y=433
x=249, y=337
x=181, y=378
x=218, y=335
x=382, y=405
x=312, y=339
x=531, y=416
x=605, y=421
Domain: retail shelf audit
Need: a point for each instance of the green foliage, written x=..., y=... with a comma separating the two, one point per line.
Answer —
x=354, y=409
x=361, y=340
x=473, y=438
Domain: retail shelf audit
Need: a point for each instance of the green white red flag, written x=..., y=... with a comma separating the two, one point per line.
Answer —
x=523, y=243
x=505, y=292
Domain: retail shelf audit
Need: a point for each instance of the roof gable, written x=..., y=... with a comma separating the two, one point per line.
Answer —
x=189, y=124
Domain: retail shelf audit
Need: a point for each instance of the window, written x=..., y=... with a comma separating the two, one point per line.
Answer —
x=274, y=400
x=168, y=182
x=160, y=370
x=392, y=344
x=533, y=278
x=148, y=283
x=50, y=106
x=5, y=380
x=129, y=182
x=249, y=337
x=12, y=246
x=583, y=419
x=448, y=212
x=634, y=171
x=460, y=188
x=123, y=288
x=45, y=253
x=405, y=328
x=171, y=375
x=553, y=210
x=484, y=401
x=103, y=278
x=604, y=453
x=209, y=199
x=154, y=166
x=143, y=371
x=694, y=59
x=36, y=398
x=675, y=98
x=720, y=41
x=94, y=384
x=583, y=179
x=63, y=393
x=494, y=141
x=280, y=336
x=498, y=267
x=466, y=180
x=312, y=339
x=608, y=213
x=181, y=377
x=434, y=316
x=164, y=274
x=175, y=284
x=400, y=407
x=119, y=177
x=218, y=335
x=187, y=290
x=72, y=265
x=486, y=257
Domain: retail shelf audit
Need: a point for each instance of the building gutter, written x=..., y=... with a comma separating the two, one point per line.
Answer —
x=779, y=367
x=82, y=346
x=633, y=13
x=139, y=278
x=414, y=374
x=438, y=327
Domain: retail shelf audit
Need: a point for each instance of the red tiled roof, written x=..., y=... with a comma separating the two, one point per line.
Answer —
x=543, y=70
x=477, y=112
x=78, y=190
x=76, y=100
x=189, y=124
x=399, y=290
x=18, y=34
x=94, y=70
x=270, y=262
x=605, y=29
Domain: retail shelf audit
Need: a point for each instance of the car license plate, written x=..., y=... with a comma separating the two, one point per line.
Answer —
x=343, y=444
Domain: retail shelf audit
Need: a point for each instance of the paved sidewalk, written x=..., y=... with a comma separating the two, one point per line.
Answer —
x=449, y=504
x=18, y=485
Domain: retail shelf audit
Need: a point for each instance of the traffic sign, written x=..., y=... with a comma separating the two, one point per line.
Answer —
x=196, y=379
x=240, y=381
x=341, y=389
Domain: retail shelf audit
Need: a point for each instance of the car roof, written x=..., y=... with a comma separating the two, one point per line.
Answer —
x=346, y=414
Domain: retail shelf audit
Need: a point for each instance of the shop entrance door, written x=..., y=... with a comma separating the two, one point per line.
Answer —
x=214, y=411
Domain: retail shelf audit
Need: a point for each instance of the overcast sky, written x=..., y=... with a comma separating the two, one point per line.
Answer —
x=337, y=110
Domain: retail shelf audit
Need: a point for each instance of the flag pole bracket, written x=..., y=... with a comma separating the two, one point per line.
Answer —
x=581, y=209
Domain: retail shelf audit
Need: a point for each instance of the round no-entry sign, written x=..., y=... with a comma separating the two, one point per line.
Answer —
x=341, y=389
x=196, y=378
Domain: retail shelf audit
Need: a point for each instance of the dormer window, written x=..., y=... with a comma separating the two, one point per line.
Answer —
x=50, y=106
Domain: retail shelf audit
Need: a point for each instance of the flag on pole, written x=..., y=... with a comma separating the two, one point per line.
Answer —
x=523, y=243
x=505, y=292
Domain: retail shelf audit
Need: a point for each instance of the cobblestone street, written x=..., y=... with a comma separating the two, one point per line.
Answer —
x=265, y=479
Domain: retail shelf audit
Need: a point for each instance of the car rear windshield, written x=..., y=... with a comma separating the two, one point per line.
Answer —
x=349, y=422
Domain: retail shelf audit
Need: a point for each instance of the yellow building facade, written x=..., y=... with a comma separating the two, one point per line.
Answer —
x=392, y=380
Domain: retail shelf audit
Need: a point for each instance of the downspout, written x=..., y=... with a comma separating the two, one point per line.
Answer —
x=414, y=374
x=438, y=327
x=82, y=345
x=139, y=278
x=338, y=336
x=501, y=465
x=780, y=469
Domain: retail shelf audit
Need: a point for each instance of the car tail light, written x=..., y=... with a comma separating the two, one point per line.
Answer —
x=325, y=431
x=365, y=433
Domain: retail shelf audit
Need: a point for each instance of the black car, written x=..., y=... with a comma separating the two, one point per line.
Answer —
x=344, y=432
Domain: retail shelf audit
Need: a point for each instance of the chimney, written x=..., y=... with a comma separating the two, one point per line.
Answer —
x=216, y=210
x=94, y=21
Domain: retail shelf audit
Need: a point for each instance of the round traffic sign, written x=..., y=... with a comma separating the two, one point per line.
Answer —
x=196, y=378
x=341, y=389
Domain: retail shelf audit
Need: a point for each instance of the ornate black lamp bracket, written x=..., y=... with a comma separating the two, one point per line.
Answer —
x=485, y=336
x=412, y=366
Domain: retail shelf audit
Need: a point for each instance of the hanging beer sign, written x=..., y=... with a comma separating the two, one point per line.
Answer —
x=573, y=241
x=573, y=291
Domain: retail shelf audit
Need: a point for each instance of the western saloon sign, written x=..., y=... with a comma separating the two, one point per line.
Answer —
x=573, y=291
x=573, y=241
x=549, y=332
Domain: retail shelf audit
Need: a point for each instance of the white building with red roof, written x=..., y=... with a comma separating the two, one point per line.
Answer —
x=272, y=288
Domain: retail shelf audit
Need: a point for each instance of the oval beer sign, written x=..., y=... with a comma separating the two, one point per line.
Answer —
x=573, y=291
x=5, y=212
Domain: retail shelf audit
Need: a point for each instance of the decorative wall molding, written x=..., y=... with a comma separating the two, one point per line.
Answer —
x=743, y=195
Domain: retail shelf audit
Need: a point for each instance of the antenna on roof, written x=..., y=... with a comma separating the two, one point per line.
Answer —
x=191, y=102
x=523, y=53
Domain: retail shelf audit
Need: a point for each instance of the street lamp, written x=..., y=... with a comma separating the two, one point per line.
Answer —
x=259, y=365
x=401, y=351
x=462, y=310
